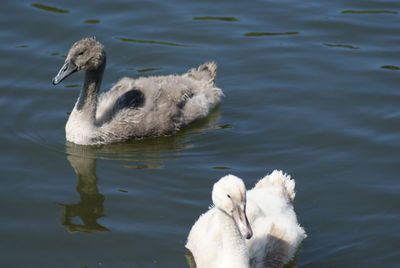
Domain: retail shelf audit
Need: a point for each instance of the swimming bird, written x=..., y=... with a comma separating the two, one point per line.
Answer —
x=217, y=237
x=133, y=108
x=268, y=234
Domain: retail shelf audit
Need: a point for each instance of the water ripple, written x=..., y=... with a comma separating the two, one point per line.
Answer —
x=251, y=34
x=148, y=70
x=72, y=86
x=151, y=42
x=341, y=46
x=92, y=21
x=215, y=18
x=369, y=12
x=391, y=67
x=50, y=8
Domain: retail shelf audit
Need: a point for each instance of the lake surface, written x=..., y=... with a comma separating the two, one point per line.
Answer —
x=311, y=88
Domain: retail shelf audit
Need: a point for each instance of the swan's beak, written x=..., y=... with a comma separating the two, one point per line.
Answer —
x=68, y=68
x=239, y=215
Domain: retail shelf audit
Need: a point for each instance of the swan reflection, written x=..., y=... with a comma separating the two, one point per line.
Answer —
x=91, y=205
x=149, y=153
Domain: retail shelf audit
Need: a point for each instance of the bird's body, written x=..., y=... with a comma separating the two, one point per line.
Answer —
x=134, y=108
x=276, y=233
x=216, y=240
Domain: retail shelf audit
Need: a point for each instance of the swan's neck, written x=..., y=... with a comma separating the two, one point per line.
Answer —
x=234, y=252
x=87, y=101
x=81, y=127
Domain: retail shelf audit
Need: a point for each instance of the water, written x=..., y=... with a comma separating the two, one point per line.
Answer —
x=311, y=88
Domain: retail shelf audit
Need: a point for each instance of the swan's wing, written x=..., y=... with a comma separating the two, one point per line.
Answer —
x=154, y=106
x=131, y=99
x=191, y=98
x=122, y=96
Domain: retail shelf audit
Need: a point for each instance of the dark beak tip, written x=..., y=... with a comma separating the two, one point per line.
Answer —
x=249, y=235
x=66, y=70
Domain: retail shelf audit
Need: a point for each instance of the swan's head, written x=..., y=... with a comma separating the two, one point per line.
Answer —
x=85, y=54
x=229, y=195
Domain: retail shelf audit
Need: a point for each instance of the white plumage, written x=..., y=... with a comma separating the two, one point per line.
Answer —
x=216, y=239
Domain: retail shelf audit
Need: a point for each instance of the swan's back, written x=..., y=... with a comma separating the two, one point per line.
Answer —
x=276, y=231
x=157, y=105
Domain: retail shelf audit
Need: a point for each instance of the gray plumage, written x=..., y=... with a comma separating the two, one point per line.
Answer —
x=133, y=108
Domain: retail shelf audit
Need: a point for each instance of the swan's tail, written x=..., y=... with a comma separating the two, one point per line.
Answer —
x=206, y=71
x=278, y=178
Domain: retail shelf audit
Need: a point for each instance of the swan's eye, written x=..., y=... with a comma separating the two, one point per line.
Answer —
x=228, y=196
x=81, y=53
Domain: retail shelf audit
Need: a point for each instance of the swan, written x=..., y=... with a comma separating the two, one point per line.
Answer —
x=273, y=234
x=133, y=108
x=217, y=237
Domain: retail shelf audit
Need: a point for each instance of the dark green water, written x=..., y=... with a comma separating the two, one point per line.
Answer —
x=311, y=87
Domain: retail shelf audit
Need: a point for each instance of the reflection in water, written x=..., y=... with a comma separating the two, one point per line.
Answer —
x=190, y=259
x=148, y=152
x=145, y=153
x=90, y=208
x=49, y=8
